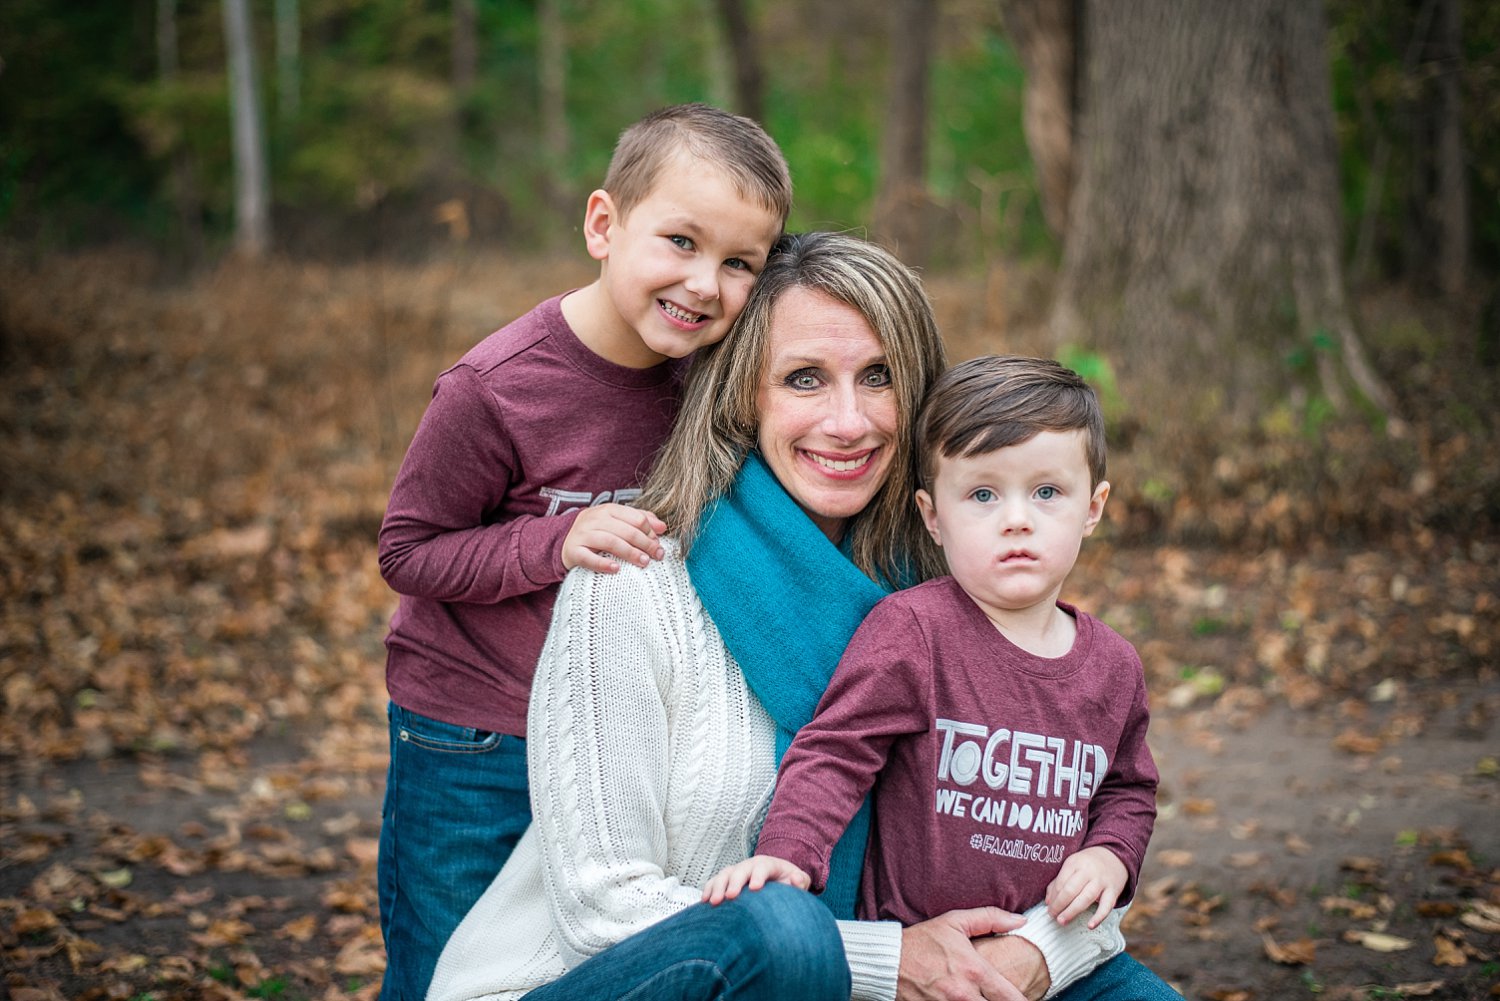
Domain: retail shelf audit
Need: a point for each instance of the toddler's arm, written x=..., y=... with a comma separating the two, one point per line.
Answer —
x=1092, y=875
x=753, y=872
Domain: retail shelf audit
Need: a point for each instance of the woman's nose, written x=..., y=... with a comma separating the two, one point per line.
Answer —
x=846, y=419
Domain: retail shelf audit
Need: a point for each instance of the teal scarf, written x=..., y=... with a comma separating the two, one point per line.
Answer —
x=786, y=601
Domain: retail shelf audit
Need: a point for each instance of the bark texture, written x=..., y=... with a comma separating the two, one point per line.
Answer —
x=1204, y=246
x=1043, y=33
x=901, y=200
x=252, y=185
x=744, y=53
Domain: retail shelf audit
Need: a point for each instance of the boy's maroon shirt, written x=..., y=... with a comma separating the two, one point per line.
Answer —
x=522, y=433
x=990, y=765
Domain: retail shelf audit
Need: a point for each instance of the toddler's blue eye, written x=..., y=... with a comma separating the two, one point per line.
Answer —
x=1046, y=493
x=984, y=495
x=684, y=242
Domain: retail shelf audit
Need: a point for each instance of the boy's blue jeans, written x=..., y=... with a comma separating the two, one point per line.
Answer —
x=455, y=806
x=778, y=944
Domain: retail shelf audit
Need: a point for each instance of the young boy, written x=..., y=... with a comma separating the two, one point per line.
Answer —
x=1007, y=729
x=522, y=467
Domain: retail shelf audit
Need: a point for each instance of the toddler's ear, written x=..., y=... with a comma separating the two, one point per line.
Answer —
x=1096, y=507
x=599, y=217
x=929, y=515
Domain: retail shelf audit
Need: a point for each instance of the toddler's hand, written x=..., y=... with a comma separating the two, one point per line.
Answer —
x=627, y=533
x=1089, y=876
x=753, y=872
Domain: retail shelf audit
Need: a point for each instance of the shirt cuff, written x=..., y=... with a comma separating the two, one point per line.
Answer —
x=873, y=949
x=1074, y=950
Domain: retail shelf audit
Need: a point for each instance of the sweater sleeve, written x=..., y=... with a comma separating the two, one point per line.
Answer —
x=598, y=760
x=873, y=949
x=440, y=538
x=877, y=694
x=1074, y=950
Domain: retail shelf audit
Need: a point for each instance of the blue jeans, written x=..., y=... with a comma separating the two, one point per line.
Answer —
x=777, y=944
x=1121, y=979
x=455, y=806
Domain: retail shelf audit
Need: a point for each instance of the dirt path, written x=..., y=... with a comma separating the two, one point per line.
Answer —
x=1280, y=830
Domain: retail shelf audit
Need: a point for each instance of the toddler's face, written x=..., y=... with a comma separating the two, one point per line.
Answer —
x=1011, y=521
x=680, y=264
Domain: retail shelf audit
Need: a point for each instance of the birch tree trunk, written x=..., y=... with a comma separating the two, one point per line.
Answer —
x=1204, y=232
x=252, y=194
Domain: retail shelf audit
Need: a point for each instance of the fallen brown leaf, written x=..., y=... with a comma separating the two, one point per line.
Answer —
x=1298, y=953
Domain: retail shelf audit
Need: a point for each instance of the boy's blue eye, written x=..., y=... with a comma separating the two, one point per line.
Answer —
x=984, y=495
x=737, y=264
x=684, y=242
x=1046, y=493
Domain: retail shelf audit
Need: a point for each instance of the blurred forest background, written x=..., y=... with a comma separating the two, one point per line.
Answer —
x=239, y=238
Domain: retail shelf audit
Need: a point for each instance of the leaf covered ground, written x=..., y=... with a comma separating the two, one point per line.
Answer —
x=192, y=744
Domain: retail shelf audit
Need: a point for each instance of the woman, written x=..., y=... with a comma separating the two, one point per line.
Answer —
x=665, y=695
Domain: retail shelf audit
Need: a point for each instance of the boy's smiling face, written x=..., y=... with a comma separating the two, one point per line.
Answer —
x=678, y=267
x=1011, y=521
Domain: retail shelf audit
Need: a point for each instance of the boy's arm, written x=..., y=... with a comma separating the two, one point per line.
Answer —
x=878, y=693
x=1122, y=811
x=434, y=541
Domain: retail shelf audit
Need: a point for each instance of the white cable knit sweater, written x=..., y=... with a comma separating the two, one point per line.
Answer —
x=651, y=766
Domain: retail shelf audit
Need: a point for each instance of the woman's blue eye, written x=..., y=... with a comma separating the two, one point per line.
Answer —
x=880, y=375
x=802, y=380
x=1046, y=493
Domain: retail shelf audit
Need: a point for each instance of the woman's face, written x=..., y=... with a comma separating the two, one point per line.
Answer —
x=826, y=408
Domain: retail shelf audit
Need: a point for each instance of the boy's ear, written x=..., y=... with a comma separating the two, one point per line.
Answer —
x=1096, y=507
x=598, y=219
x=929, y=516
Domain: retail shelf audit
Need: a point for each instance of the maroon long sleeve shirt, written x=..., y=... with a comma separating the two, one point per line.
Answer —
x=526, y=430
x=990, y=765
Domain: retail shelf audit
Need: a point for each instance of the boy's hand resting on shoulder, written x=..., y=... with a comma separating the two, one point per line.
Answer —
x=628, y=534
x=1093, y=875
x=754, y=872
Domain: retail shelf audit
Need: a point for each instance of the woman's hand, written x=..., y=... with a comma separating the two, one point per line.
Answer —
x=939, y=962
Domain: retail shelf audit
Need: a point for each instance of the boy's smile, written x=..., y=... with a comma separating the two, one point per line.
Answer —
x=677, y=267
x=1011, y=523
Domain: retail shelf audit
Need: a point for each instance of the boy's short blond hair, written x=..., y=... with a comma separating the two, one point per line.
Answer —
x=988, y=403
x=735, y=144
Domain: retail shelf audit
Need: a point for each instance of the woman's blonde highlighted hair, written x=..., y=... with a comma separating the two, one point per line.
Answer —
x=718, y=424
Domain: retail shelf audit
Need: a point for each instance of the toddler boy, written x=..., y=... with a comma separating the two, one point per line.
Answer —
x=1006, y=729
x=522, y=467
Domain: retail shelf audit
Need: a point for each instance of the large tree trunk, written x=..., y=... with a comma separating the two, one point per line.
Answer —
x=1045, y=37
x=901, y=200
x=1204, y=248
x=744, y=51
x=252, y=194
